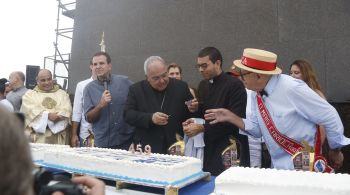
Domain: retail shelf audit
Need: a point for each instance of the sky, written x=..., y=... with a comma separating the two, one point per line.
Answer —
x=28, y=32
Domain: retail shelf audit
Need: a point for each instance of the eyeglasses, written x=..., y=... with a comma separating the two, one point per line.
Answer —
x=243, y=74
x=162, y=76
x=203, y=66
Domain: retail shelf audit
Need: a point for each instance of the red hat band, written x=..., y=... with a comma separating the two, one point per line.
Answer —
x=258, y=64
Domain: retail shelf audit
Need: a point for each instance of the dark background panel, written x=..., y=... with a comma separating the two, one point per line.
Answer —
x=338, y=14
x=302, y=19
x=315, y=30
x=338, y=68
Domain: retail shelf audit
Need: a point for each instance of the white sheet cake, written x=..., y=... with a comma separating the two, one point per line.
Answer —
x=253, y=181
x=119, y=164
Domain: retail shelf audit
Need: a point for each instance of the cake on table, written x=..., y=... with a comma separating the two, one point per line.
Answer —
x=115, y=164
x=253, y=181
x=38, y=150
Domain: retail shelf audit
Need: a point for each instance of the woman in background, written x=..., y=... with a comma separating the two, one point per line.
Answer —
x=301, y=69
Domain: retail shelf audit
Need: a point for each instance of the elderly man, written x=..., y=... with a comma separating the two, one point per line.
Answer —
x=220, y=90
x=285, y=112
x=156, y=107
x=104, y=101
x=47, y=111
x=18, y=89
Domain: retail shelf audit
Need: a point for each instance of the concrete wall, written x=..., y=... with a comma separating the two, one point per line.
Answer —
x=316, y=30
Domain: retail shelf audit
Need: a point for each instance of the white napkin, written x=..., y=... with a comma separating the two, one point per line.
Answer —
x=40, y=122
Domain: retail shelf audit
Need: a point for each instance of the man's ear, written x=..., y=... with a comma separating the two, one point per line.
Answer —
x=218, y=62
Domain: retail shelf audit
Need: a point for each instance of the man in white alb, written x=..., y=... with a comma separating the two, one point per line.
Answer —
x=47, y=111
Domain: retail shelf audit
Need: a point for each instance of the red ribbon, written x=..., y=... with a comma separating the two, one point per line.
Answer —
x=320, y=162
x=318, y=141
x=257, y=64
x=289, y=145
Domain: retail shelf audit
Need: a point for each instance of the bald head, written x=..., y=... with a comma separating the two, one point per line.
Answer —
x=44, y=72
x=44, y=80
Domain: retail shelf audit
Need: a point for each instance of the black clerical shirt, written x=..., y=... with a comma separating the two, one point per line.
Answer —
x=224, y=91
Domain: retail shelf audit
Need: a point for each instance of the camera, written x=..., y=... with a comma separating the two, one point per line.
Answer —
x=45, y=183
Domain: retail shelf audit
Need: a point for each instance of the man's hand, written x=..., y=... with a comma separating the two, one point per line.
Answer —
x=105, y=99
x=96, y=186
x=54, y=117
x=75, y=141
x=192, y=105
x=160, y=118
x=336, y=158
x=187, y=122
x=94, y=114
x=191, y=129
x=218, y=115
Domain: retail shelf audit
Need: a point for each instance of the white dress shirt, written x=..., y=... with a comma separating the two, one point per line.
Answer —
x=254, y=143
x=6, y=105
x=295, y=109
x=78, y=114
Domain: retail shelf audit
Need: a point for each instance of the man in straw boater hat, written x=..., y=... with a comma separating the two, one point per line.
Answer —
x=285, y=112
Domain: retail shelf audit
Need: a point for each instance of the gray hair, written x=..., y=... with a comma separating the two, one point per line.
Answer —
x=150, y=60
x=20, y=75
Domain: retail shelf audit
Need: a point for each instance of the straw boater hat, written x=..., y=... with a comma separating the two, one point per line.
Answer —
x=258, y=61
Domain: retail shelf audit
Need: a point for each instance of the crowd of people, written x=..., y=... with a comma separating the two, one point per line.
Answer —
x=111, y=111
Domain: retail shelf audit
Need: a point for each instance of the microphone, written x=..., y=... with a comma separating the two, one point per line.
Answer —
x=105, y=84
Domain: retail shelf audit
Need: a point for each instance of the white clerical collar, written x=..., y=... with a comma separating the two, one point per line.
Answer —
x=211, y=81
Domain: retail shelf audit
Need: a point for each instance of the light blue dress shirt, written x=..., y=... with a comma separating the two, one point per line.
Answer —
x=295, y=109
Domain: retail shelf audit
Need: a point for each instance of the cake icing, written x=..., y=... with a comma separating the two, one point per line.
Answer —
x=124, y=165
x=252, y=181
x=38, y=150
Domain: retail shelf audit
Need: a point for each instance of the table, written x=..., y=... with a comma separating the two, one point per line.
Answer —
x=200, y=187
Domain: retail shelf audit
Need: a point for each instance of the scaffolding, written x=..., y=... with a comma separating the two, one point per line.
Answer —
x=59, y=62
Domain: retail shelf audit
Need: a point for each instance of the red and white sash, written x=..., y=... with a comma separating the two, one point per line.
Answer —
x=289, y=145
